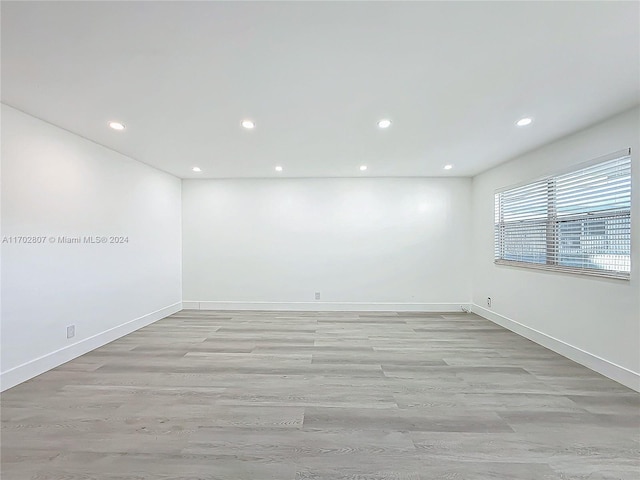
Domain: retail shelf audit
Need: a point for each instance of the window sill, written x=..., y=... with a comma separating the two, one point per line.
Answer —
x=570, y=270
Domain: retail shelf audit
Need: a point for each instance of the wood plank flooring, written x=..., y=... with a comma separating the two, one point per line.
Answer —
x=292, y=396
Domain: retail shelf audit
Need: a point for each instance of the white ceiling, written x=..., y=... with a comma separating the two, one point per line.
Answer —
x=317, y=76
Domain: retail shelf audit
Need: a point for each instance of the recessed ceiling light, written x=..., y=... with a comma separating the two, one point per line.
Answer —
x=384, y=123
x=116, y=125
x=523, y=122
x=248, y=124
x=278, y=168
x=363, y=168
x=448, y=167
x=196, y=169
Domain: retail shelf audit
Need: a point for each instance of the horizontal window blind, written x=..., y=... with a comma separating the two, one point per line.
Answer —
x=579, y=222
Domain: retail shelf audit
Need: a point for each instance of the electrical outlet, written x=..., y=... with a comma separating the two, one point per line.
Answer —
x=317, y=295
x=71, y=331
x=489, y=302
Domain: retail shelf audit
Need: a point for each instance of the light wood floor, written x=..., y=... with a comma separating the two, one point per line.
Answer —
x=284, y=396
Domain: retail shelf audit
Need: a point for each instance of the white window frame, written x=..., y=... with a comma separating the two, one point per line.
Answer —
x=551, y=240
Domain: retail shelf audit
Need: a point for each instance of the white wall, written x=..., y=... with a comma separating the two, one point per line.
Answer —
x=594, y=321
x=55, y=183
x=388, y=243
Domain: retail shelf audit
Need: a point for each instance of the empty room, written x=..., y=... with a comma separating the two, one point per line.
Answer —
x=320, y=240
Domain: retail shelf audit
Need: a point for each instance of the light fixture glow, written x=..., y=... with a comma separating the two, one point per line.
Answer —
x=196, y=169
x=363, y=168
x=278, y=168
x=448, y=167
x=384, y=123
x=248, y=124
x=116, y=125
x=523, y=122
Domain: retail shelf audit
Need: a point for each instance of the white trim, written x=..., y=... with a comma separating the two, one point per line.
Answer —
x=191, y=305
x=328, y=306
x=35, y=367
x=587, y=272
x=609, y=369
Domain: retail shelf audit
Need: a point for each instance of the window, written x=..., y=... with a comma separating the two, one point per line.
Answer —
x=577, y=222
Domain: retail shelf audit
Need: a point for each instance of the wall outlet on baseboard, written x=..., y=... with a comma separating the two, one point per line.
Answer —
x=317, y=295
x=489, y=302
x=71, y=331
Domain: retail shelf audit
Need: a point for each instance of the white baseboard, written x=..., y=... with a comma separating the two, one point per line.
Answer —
x=609, y=369
x=35, y=367
x=328, y=306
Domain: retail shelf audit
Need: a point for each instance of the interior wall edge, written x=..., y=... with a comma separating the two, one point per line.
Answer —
x=40, y=365
x=615, y=372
